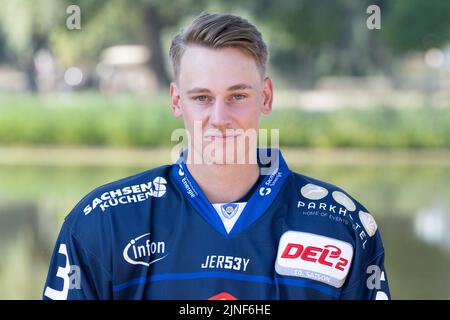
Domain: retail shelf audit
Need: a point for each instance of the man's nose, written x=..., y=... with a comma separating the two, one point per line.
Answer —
x=220, y=115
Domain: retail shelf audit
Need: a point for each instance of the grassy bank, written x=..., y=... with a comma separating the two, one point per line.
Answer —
x=130, y=121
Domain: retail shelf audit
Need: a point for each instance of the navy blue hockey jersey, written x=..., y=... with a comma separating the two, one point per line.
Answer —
x=155, y=235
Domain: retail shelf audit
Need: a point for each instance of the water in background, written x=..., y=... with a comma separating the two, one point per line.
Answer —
x=411, y=205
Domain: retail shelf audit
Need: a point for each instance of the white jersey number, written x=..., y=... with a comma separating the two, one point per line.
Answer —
x=63, y=273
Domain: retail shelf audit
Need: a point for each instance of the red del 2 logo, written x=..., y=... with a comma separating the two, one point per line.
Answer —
x=314, y=256
x=310, y=253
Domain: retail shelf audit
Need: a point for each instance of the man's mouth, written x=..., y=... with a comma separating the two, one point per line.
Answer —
x=221, y=137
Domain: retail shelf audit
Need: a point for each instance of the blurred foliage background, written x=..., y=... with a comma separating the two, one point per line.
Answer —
x=396, y=77
x=366, y=109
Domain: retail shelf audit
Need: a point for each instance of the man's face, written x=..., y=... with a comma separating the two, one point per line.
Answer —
x=219, y=91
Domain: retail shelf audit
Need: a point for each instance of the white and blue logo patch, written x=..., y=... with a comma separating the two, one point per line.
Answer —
x=229, y=210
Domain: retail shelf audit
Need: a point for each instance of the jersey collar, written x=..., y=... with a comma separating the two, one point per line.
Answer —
x=276, y=171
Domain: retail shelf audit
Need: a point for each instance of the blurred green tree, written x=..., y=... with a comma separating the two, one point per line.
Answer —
x=26, y=26
x=307, y=38
x=417, y=24
x=115, y=22
x=321, y=38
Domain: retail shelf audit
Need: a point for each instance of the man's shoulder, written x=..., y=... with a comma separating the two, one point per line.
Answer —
x=314, y=189
x=332, y=205
x=131, y=190
x=320, y=194
x=97, y=223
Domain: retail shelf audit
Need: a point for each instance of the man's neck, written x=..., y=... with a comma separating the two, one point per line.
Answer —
x=224, y=183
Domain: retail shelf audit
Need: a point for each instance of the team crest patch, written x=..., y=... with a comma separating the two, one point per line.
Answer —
x=315, y=257
x=229, y=210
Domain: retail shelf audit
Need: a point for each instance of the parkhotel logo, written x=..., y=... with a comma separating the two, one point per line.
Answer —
x=232, y=146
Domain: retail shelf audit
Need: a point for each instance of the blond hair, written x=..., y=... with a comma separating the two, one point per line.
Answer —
x=215, y=30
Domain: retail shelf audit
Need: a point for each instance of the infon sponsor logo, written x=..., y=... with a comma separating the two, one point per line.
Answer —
x=143, y=251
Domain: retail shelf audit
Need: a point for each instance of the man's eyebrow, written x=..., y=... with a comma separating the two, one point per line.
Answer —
x=198, y=90
x=240, y=86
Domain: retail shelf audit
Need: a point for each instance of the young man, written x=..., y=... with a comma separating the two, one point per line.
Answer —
x=221, y=223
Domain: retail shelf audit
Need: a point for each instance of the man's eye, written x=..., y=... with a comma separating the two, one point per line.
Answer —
x=201, y=98
x=239, y=96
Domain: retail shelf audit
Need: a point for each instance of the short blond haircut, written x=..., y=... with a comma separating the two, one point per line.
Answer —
x=215, y=30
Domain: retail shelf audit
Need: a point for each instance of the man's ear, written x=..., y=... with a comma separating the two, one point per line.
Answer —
x=175, y=100
x=267, y=95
